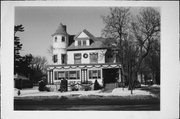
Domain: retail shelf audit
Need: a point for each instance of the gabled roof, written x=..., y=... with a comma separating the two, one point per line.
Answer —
x=96, y=44
x=87, y=33
x=61, y=30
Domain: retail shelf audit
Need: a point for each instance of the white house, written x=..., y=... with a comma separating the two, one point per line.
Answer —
x=81, y=58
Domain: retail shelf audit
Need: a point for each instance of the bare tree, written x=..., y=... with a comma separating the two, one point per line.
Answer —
x=146, y=29
x=117, y=27
x=133, y=39
x=39, y=63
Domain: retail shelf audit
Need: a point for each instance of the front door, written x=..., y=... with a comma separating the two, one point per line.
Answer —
x=84, y=75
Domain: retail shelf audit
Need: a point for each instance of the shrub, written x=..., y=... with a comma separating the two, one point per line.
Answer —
x=96, y=85
x=42, y=86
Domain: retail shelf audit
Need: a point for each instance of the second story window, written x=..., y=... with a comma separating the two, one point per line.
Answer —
x=63, y=58
x=77, y=58
x=55, y=59
x=93, y=57
x=55, y=39
x=63, y=39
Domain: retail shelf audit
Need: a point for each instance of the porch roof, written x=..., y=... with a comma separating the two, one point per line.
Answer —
x=74, y=66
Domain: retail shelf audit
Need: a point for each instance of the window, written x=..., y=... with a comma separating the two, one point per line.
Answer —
x=56, y=75
x=77, y=58
x=74, y=75
x=63, y=39
x=94, y=74
x=63, y=58
x=61, y=75
x=79, y=43
x=55, y=59
x=93, y=57
x=84, y=42
x=55, y=39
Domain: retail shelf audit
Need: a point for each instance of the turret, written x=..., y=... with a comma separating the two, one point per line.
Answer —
x=60, y=43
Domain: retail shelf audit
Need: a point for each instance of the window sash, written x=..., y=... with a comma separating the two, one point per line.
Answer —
x=67, y=74
x=84, y=42
x=63, y=58
x=94, y=74
x=77, y=58
x=79, y=43
x=74, y=74
x=93, y=57
x=55, y=58
x=63, y=39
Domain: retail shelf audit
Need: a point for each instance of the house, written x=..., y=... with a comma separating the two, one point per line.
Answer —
x=21, y=81
x=81, y=58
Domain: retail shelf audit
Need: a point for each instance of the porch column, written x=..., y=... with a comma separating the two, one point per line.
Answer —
x=52, y=77
x=48, y=80
x=119, y=75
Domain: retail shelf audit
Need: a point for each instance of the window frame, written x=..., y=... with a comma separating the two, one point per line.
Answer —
x=77, y=75
x=63, y=39
x=63, y=61
x=84, y=41
x=55, y=58
x=55, y=39
x=92, y=55
x=75, y=59
x=78, y=43
x=98, y=74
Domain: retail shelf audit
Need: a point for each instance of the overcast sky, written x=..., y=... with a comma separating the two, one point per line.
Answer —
x=41, y=22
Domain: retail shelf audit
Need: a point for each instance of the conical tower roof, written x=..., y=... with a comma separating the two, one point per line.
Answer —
x=61, y=30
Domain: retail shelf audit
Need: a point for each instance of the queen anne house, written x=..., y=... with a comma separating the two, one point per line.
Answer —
x=81, y=59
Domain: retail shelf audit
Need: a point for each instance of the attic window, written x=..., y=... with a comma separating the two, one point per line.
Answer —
x=84, y=42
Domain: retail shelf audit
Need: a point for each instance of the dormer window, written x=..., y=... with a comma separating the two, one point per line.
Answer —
x=63, y=39
x=55, y=39
x=84, y=42
x=79, y=43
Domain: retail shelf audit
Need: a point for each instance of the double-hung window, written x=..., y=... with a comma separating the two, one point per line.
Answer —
x=63, y=39
x=55, y=58
x=77, y=58
x=94, y=74
x=93, y=57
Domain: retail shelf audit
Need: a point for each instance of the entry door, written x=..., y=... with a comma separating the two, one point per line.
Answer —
x=84, y=75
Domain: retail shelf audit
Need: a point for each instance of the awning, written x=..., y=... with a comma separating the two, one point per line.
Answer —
x=82, y=66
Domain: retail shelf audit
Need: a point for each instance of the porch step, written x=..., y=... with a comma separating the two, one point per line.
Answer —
x=110, y=86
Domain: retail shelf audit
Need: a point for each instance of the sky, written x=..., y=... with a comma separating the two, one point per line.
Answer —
x=41, y=22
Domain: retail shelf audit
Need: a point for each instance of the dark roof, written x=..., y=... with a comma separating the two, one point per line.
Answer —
x=61, y=30
x=97, y=43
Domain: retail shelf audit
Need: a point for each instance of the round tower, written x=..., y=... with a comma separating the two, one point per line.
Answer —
x=60, y=43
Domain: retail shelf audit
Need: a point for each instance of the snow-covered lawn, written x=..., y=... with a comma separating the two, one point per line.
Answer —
x=116, y=92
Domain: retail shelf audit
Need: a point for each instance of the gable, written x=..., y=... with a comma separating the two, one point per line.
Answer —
x=83, y=35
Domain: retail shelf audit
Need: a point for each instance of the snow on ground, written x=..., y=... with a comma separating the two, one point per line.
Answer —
x=155, y=85
x=115, y=92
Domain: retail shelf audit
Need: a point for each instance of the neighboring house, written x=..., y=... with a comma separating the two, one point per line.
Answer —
x=81, y=58
x=21, y=81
